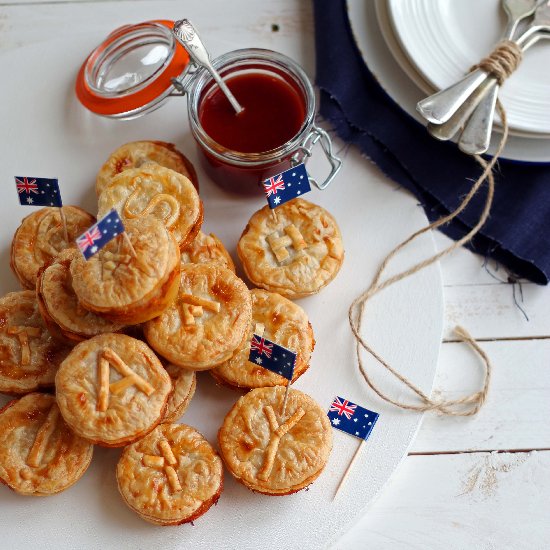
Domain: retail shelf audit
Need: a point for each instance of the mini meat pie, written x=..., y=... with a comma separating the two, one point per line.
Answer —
x=184, y=383
x=39, y=454
x=281, y=321
x=65, y=318
x=112, y=389
x=128, y=289
x=171, y=476
x=29, y=356
x=208, y=321
x=296, y=253
x=40, y=238
x=137, y=153
x=270, y=454
x=207, y=248
x=158, y=191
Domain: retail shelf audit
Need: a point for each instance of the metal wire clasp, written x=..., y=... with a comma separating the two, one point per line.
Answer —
x=304, y=152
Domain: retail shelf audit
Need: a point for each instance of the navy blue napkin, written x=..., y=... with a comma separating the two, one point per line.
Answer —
x=361, y=113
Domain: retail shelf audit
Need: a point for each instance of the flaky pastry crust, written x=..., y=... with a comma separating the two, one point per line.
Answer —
x=112, y=389
x=207, y=322
x=29, y=356
x=272, y=455
x=160, y=192
x=184, y=384
x=137, y=153
x=282, y=322
x=296, y=253
x=207, y=248
x=127, y=289
x=40, y=238
x=65, y=318
x=171, y=476
x=39, y=454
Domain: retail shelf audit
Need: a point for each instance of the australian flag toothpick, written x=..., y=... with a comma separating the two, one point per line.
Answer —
x=287, y=185
x=271, y=356
x=38, y=191
x=100, y=234
x=351, y=418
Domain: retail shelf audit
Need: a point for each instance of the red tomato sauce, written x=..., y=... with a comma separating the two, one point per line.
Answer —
x=274, y=112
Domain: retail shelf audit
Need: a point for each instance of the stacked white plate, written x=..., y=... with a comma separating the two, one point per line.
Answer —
x=417, y=47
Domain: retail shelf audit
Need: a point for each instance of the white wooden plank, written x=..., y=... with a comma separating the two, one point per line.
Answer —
x=473, y=501
x=463, y=267
x=248, y=24
x=489, y=311
x=515, y=415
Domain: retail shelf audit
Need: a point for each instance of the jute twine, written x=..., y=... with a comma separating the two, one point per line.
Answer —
x=501, y=63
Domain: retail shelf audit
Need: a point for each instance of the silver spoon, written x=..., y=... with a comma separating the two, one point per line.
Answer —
x=440, y=107
x=476, y=136
x=187, y=36
x=516, y=10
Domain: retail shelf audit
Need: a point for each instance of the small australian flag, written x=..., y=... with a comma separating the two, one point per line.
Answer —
x=287, y=185
x=100, y=234
x=38, y=191
x=351, y=418
x=271, y=356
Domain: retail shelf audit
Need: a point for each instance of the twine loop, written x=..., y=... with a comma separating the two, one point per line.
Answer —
x=469, y=404
x=502, y=61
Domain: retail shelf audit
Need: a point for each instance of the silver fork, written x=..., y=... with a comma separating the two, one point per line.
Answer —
x=476, y=136
x=516, y=10
x=440, y=107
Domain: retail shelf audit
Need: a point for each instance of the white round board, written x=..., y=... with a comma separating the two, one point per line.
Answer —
x=385, y=58
x=49, y=134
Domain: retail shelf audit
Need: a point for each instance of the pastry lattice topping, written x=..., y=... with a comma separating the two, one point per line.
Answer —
x=167, y=462
x=277, y=432
x=292, y=238
x=108, y=357
x=169, y=218
x=23, y=334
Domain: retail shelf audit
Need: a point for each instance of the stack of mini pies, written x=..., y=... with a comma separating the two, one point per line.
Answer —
x=120, y=337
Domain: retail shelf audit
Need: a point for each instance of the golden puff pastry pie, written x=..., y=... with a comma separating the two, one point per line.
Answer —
x=207, y=248
x=112, y=389
x=65, y=318
x=281, y=321
x=270, y=454
x=208, y=320
x=41, y=237
x=296, y=253
x=128, y=289
x=29, y=356
x=184, y=384
x=171, y=476
x=137, y=153
x=157, y=191
x=39, y=454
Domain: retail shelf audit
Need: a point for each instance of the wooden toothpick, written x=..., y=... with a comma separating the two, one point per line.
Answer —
x=285, y=399
x=129, y=243
x=274, y=215
x=348, y=469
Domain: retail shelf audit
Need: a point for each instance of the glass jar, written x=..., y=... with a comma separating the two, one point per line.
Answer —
x=138, y=67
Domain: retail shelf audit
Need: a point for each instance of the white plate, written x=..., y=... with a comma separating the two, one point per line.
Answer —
x=384, y=57
x=444, y=38
x=51, y=135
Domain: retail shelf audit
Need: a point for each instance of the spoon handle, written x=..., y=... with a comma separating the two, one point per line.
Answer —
x=440, y=107
x=187, y=36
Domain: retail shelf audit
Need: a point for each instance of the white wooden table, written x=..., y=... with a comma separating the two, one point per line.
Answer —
x=480, y=482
